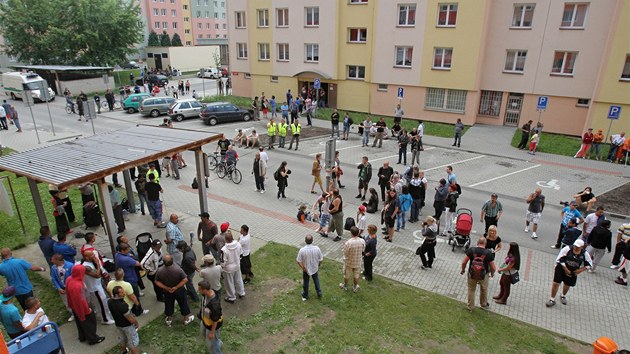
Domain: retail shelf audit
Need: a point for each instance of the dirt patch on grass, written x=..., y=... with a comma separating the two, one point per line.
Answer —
x=274, y=342
x=257, y=296
x=616, y=201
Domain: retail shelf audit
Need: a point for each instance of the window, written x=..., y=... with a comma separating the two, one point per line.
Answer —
x=312, y=52
x=446, y=100
x=157, y=24
x=216, y=26
x=447, y=16
x=563, y=63
x=186, y=31
x=356, y=72
x=382, y=87
x=200, y=36
x=442, y=58
x=357, y=35
x=407, y=15
x=156, y=12
x=283, y=51
x=186, y=19
x=208, y=36
x=163, y=12
x=198, y=25
x=242, y=50
x=173, y=13
x=188, y=43
x=515, y=61
x=217, y=36
x=164, y=24
x=216, y=15
x=164, y=55
x=263, y=18
x=224, y=26
x=207, y=14
x=312, y=16
x=358, y=1
x=263, y=51
x=403, y=56
x=573, y=16
x=625, y=73
x=198, y=14
x=185, y=7
x=174, y=25
x=490, y=104
x=240, y=19
x=150, y=55
x=222, y=3
x=223, y=15
x=523, y=15
x=583, y=102
x=273, y=78
x=247, y=75
x=283, y=17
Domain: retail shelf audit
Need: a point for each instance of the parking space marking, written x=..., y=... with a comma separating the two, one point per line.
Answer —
x=383, y=158
x=453, y=163
x=343, y=148
x=505, y=175
x=583, y=168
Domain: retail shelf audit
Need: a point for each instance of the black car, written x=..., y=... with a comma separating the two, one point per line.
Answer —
x=131, y=65
x=220, y=112
x=159, y=80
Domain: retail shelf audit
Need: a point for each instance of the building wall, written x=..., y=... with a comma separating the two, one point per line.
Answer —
x=152, y=19
x=184, y=58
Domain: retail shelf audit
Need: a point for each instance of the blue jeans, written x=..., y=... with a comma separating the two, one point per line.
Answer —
x=335, y=127
x=401, y=220
x=213, y=345
x=155, y=209
x=366, y=136
x=306, y=278
x=416, y=206
x=143, y=200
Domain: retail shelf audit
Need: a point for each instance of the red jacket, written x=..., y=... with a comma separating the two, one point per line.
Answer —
x=588, y=138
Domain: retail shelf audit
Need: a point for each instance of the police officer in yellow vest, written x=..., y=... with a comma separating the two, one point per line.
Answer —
x=272, y=130
x=282, y=132
x=296, y=129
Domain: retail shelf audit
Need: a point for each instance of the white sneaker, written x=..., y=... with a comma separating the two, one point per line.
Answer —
x=534, y=236
x=141, y=294
x=611, y=267
x=256, y=190
x=145, y=312
x=356, y=288
x=189, y=319
x=527, y=229
x=108, y=322
x=169, y=322
x=71, y=318
x=262, y=191
x=342, y=286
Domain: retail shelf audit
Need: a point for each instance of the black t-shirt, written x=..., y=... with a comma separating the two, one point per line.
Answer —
x=526, y=129
x=119, y=308
x=223, y=145
x=153, y=191
x=586, y=197
x=380, y=126
x=212, y=312
x=334, y=118
x=492, y=244
x=471, y=252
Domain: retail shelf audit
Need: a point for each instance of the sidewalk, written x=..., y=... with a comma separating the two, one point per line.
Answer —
x=27, y=140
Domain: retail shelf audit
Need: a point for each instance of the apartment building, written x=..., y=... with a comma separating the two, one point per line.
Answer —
x=484, y=61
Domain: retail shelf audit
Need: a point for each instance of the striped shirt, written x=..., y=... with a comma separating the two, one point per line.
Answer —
x=624, y=231
x=310, y=256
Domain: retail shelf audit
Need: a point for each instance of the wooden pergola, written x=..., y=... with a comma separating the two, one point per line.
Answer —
x=93, y=158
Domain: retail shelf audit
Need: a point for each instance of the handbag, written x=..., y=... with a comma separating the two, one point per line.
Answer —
x=515, y=277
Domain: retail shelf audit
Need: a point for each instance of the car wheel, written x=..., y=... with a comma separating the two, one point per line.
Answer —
x=212, y=121
x=131, y=110
x=246, y=117
x=155, y=113
x=179, y=118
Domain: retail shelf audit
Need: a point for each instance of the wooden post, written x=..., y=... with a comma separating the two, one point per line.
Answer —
x=108, y=213
x=37, y=200
x=201, y=180
x=129, y=190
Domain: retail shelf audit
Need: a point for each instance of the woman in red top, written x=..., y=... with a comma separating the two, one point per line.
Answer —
x=587, y=139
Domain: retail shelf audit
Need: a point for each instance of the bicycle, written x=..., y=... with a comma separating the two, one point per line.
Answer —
x=214, y=160
x=70, y=108
x=230, y=170
x=105, y=104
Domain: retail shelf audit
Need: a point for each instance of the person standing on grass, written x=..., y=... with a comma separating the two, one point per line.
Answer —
x=309, y=259
x=83, y=314
x=525, y=130
x=536, y=203
x=46, y=244
x=587, y=140
x=571, y=261
x=316, y=172
x=352, y=257
x=246, y=264
x=426, y=251
x=211, y=315
x=479, y=265
x=398, y=114
x=59, y=273
x=9, y=313
x=598, y=138
x=459, y=129
x=599, y=239
x=511, y=265
x=126, y=322
x=14, y=270
x=172, y=279
x=231, y=266
x=211, y=272
x=370, y=252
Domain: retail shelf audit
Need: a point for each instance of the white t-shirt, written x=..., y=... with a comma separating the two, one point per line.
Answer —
x=362, y=225
x=28, y=318
x=91, y=284
x=264, y=156
x=245, y=242
x=591, y=220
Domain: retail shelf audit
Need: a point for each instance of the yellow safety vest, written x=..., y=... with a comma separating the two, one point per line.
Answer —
x=157, y=176
x=296, y=130
x=271, y=129
x=282, y=129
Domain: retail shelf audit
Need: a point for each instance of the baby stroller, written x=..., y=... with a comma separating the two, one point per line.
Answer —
x=463, y=226
x=143, y=244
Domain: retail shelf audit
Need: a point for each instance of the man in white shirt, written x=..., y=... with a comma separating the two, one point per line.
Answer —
x=309, y=259
x=3, y=119
x=421, y=131
x=616, y=141
x=34, y=315
x=246, y=264
x=592, y=220
x=94, y=287
x=231, y=266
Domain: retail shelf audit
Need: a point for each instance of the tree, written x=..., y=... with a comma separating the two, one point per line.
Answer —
x=165, y=40
x=70, y=32
x=154, y=40
x=176, y=41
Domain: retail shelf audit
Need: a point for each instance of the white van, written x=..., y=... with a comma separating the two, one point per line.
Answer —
x=13, y=81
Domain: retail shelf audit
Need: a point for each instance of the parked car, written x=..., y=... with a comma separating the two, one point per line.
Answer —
x=155, y=106
x=210, y=73
x=221, y=112
x=159, y=80
x=185, y=108
x=132, y=103
x=131, y=65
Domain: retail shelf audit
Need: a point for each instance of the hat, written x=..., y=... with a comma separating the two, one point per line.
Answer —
x=7, y=294
x=156, y=243
x=578, y=243
x=204, y=215
x=225, y=226
x=362, y=208
x=573, y=202
x=208, y=258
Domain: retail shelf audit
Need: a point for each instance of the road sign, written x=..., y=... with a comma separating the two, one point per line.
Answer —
x=542, y=102
x=317, y=84
x=614, y=112
x=401, y=92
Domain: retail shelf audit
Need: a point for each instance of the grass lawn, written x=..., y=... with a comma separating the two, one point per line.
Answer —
x=555, y=143
x=383, y=317
x=430, y=128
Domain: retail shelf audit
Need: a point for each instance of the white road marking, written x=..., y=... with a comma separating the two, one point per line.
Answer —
x=505, y=175
x=383, y=158
x=454, y=163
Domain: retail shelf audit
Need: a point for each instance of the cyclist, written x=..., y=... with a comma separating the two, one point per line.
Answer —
x=223, y=145
x=69, y=100
x=231, y=157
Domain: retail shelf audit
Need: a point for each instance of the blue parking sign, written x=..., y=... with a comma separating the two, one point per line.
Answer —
x=542, y=102
x=401, y=92
x=614, y=112
x=317, y=84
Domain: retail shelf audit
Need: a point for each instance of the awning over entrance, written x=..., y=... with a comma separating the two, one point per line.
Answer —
x=312, y=74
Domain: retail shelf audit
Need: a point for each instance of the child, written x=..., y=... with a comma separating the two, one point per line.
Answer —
x=404, y=200
x=304, y=215
x=362, y=221
x=532, y=143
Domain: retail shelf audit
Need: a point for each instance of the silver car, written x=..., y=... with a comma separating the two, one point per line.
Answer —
x=185, y=108
x=155, y=106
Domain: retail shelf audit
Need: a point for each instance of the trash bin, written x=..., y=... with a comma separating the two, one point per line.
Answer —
x=604, y=345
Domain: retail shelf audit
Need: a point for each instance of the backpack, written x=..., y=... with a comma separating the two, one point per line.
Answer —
x=194, y=184
x=477, y=267
x=349, y=223
x=276, y=175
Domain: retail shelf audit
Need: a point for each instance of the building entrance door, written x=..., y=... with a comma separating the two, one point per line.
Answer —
x=513, y=109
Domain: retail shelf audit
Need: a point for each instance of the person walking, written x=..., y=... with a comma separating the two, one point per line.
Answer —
x=316, y=172
x=282, y=176
x=231, y=266
x=536, y=204
x=479, y=265
x=370, y=252
x=508, y=271
x=16, y=119
x=459, y=128
x=336, y=215
x=126, y=322
x=309, y=259
x=259, y=170
x=491, y=212
x=85, y=318
x=3, y=117
x=352, y=256
x=172, y=280
x=211, y=315
x=571, y=261
x=426, y=251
